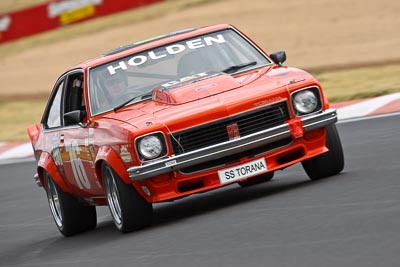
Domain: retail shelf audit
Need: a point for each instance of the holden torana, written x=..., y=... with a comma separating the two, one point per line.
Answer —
x=175, y=115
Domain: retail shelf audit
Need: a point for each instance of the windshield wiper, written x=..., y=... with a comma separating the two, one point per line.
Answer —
x=235, y=68
x=142, y=97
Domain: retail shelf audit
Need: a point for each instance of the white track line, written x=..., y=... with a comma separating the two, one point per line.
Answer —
x=353, y=112
x=365, y=107
x=21, y=151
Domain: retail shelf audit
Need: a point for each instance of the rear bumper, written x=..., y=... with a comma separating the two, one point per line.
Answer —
x=231, y=147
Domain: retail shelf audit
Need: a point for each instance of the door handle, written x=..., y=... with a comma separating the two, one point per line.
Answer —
x=62, y=138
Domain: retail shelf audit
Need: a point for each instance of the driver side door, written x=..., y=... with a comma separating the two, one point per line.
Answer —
x=75, y=144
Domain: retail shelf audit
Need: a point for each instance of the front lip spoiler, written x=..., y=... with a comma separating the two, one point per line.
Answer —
x=176, y=162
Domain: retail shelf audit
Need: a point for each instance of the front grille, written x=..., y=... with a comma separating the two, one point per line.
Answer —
x=236, y=157
x=216, y=132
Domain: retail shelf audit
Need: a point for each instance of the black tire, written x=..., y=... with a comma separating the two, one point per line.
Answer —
x=129, y=210
x=257, y=180
x=70, y=216
x=329, y=163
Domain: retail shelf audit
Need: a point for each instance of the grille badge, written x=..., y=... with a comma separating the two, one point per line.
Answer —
x=233, y=131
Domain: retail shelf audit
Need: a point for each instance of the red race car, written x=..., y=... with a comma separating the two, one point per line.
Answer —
x=172, y=116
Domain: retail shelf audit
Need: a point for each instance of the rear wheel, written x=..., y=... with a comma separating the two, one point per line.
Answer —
x=70, y=216
x=329, y=163
x=129, y=210
x=257, y=180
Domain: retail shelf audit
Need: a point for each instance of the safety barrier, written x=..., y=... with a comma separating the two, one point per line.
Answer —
x=59, y=13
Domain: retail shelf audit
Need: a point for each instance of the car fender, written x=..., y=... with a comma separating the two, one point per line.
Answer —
x=33, y=132
x=112, y=158
x=46, y=163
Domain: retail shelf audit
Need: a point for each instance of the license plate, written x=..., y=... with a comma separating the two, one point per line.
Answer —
x=240, y=172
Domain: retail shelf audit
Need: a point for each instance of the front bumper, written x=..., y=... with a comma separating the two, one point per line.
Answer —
x=176, y=162
x=37, y=180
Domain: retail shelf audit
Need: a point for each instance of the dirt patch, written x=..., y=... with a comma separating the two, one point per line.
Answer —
x=7, y=6
x=315, y=34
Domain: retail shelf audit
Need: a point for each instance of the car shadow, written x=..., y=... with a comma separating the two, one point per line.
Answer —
x=52, y=245
x=232, y=195
x=218, y=199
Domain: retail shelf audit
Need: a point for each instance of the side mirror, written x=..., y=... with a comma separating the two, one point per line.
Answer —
x=278, y=57
x=73, y=117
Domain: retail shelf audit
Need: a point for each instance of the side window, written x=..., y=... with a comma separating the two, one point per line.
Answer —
x=74, y=99
x=54, y=114
x=74, y=94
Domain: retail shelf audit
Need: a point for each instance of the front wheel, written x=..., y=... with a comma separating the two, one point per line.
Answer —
x=129, y=210
x=70, y=216
x=329, y=163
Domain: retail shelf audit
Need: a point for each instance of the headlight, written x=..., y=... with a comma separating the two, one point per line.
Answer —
x=150, y=146
x=306, y=101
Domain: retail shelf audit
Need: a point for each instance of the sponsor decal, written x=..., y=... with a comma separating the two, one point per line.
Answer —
x=56, y=155
x=170, y=163
x=102, y=153
x=146, y=190
x=296, y=128
x=55, y=150
x=166, y=51
x=233, y=131
x=185, y=79
x=92, y=153
x=91, y=136
x=5, y=23
x=205, y=87
x=124, y=153
x=191, y=79
x=77, y=15
x=268, y=101
x=57, y=8
x=282, y=74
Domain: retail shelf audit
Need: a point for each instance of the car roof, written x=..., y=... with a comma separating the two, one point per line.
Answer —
x=148, y=44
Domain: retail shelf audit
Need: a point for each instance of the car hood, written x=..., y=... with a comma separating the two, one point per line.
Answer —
x=194, y=87
x=196, y=102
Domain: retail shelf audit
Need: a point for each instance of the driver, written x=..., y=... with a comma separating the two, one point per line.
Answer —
x=113, y=88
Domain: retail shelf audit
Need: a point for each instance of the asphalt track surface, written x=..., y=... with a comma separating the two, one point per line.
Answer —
x=351, y=219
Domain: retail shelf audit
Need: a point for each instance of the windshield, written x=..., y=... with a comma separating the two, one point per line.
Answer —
x=131, y=79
